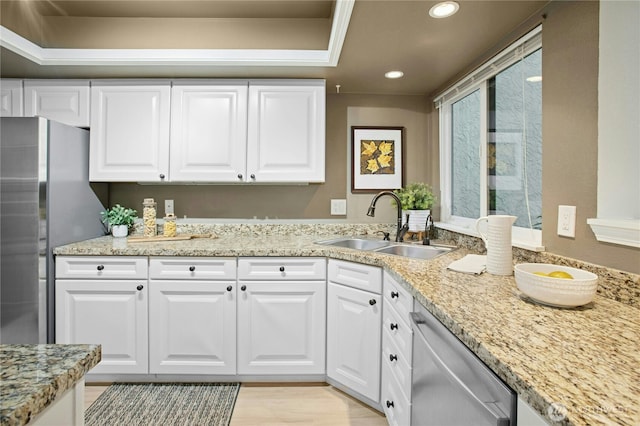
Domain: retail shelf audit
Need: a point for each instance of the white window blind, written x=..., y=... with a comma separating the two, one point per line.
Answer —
x=527, y=44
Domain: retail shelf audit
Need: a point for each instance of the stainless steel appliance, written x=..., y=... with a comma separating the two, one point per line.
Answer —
x=45, y=201
x=451, y=386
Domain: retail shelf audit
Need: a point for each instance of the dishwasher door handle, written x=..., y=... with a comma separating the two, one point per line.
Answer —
x=418, y=324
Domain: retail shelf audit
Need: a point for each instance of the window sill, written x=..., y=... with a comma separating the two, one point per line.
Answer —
x=527, y=245
x=616, y=231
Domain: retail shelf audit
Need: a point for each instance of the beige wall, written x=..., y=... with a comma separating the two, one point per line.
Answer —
x=570, y=134
x=570, y=111
x=304, y=201
x=180, y=33
x=22, y=17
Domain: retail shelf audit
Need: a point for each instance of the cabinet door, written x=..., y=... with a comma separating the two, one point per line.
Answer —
x=66, y=101
x=286, y=139
x=11, y=98
x=353, y=339
x=129, y=132
x=208, y=133
x=192, y=327
x=108, y=312
x=281, y=327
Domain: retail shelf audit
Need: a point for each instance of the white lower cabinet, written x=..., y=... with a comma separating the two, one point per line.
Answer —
x=192, y=327
x=281, y=318
x=397, y=352
x=66, y=409
x=112, y=313
x=396, y=406
x=192, y=320
x=353, y=329
x=103, y=300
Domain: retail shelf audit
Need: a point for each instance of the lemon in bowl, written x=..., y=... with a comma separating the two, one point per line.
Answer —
x=556, y=285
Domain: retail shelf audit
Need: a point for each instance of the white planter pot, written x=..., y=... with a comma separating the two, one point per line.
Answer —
x=417, y=219
x=119, y=231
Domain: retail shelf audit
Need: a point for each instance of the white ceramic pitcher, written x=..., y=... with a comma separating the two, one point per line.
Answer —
x=498, y=243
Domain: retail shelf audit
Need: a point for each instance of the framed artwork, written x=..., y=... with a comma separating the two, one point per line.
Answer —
x=377, y=158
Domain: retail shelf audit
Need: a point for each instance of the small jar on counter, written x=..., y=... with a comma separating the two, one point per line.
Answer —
x=149, y=217
x=170, y=228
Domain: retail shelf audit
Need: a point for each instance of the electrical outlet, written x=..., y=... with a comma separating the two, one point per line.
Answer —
x=338, y=207
x=567, y=221
x=168, y=207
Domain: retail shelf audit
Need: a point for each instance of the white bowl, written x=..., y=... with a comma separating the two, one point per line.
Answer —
x=560, y=292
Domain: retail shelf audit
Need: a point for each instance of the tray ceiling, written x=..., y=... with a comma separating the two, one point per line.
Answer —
x=380, y=35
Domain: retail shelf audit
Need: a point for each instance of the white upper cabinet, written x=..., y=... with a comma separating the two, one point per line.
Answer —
x=208, y=131
x=130, y=131
x=286, y=131
x=11, y=98
x=66, y=101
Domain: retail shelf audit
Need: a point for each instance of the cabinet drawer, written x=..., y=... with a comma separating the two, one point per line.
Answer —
x=394, y=404
x=363, y=277
x=398, y=330
x=194, y=268
x=398, y=297
x=398, y=364
x=112, y=267
x=281, y=268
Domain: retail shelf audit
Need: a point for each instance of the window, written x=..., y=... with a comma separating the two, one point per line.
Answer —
x=491, y=143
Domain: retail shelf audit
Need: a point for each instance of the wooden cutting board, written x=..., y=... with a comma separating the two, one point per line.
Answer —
x=143, y=239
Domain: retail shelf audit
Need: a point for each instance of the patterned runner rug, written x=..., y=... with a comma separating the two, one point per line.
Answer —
x=150, y=404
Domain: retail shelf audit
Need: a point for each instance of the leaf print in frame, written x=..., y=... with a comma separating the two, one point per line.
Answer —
x=377, y=158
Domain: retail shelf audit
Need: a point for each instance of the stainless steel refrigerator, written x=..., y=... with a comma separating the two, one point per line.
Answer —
x=46, y=200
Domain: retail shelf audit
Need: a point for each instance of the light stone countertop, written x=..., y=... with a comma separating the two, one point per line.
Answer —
x=586, y=360
x=34, y=376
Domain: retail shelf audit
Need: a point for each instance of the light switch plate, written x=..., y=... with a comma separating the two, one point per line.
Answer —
x=567, y=221
x=168, y=207
x=338, y=207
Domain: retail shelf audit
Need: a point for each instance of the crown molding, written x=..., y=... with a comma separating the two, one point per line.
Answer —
x=616, y=231
x=188, y=57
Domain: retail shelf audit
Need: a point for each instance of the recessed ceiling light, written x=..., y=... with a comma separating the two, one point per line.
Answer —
x=394, y=74
x=534, y=78
x=444, y=9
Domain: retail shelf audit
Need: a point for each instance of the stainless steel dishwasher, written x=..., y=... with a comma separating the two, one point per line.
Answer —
x=450, y=385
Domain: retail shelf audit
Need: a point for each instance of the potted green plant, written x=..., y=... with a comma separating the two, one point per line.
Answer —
x=416, y=199
x=119, y=219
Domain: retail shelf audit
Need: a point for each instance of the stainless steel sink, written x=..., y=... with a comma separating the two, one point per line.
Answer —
x=387, y=247
x=414, y=251
x=356, y=243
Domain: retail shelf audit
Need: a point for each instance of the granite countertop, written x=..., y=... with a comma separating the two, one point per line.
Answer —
x=34, y=376
x=583, y=362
